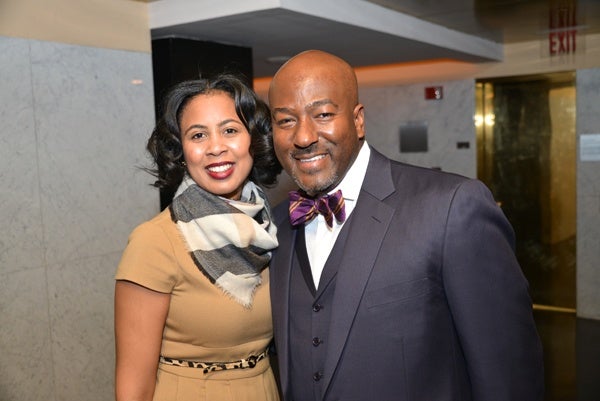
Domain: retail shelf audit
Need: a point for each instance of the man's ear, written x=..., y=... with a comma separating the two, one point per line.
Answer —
x=359, y=120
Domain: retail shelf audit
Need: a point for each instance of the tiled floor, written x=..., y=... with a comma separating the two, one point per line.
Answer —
x=571, y=355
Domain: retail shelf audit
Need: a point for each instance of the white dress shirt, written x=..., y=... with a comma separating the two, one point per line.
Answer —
x=319, y=237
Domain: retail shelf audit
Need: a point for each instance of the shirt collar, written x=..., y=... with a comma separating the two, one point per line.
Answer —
x=353, y=179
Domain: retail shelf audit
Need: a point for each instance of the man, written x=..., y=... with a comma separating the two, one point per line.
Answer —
x=413, y=293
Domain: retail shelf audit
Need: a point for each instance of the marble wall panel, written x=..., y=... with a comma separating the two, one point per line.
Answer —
x=81, y=306
x=449, y=120
x=588, y=257
x=21, y=241
x=26, y=369
x=588, y=199
x=92, y=124
x=74, y=135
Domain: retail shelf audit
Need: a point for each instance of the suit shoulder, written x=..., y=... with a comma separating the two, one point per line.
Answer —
x=402, y=172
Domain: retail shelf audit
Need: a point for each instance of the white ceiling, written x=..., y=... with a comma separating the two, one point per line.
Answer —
x=370, y=32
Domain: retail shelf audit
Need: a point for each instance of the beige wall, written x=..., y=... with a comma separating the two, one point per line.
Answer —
x=110, y=24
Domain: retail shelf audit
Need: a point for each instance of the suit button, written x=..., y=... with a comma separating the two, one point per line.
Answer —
x=317, y=376
x=317, y=307
x=316, y=341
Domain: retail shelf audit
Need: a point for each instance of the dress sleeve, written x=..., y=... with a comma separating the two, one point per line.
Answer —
x=149, y=259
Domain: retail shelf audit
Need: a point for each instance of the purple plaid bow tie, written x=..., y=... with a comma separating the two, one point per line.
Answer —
x=303, y=210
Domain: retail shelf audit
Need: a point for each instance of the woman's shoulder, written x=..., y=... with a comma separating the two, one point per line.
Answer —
x=151, y=257
x=160, y=234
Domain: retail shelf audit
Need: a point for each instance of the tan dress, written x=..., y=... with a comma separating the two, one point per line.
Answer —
x=203, y=324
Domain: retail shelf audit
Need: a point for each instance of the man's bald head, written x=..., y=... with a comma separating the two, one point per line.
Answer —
x=316, y=63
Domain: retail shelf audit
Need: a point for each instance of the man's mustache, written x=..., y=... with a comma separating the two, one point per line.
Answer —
x=310, y=149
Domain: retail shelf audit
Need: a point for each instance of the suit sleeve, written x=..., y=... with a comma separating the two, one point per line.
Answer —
x=489, y=299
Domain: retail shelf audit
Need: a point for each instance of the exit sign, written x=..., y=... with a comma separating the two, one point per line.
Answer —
x=563, y=42
x=562, y=24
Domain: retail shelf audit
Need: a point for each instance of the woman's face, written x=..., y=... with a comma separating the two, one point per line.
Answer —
x=216, y=144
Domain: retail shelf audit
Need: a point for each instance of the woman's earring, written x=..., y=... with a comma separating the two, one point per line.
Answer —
x=183, y=163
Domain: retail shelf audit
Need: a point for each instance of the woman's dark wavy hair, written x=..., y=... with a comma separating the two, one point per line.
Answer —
x=165, y=142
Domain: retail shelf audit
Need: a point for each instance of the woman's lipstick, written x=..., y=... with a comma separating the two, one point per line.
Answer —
x=220, y=171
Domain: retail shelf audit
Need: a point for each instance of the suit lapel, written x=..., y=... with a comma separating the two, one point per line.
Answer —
x=369, y=223
x=281, y=267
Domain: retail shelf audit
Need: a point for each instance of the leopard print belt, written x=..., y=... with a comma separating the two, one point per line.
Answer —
x=247, y=363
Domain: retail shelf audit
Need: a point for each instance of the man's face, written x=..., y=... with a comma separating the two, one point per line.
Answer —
x=317, y=131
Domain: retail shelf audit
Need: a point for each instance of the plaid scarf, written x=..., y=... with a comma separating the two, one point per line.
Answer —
x=230, y=241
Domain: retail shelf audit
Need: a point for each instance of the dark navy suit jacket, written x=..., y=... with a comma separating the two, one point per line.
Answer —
x=430, y=302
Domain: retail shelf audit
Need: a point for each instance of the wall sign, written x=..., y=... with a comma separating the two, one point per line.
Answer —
x=589, y=147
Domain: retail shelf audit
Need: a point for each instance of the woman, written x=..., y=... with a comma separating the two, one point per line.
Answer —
x=192, y=309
